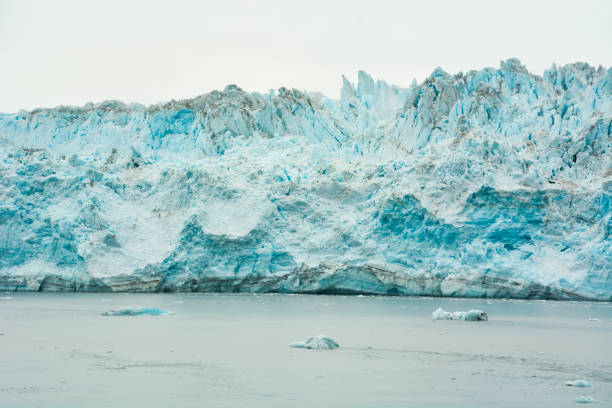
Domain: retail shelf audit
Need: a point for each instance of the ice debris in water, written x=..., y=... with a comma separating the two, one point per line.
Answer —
x=153, y=311
x=578, y=383
x=317, y=342
x=470, y=315
x=584, y=399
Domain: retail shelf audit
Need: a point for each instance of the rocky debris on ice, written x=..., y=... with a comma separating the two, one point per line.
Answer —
x=578, y=383
x=470, y=315
x=153, y=311
x=316, y=343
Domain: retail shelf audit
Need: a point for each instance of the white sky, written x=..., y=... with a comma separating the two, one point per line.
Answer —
x=72, y=52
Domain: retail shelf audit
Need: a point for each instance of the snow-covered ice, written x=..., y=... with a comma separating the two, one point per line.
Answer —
x=490, y=183
x=470, y=315
x=317, y=342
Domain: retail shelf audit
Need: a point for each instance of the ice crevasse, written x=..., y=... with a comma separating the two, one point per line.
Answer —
x=490, y=183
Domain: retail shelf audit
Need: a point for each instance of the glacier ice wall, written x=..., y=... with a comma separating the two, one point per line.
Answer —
x=494, y=183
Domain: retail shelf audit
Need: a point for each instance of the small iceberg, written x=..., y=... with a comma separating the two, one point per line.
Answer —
x=471, y=315
x=316, y=343
x=153, y=311
x=578, y=383
x=584, y=399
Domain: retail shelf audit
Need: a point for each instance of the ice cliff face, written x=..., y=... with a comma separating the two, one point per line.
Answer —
x=493, y=183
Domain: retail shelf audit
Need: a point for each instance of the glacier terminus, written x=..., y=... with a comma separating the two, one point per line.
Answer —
x=491, y=183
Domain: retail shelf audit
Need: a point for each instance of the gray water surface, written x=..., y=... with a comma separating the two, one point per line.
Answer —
x=57, y=350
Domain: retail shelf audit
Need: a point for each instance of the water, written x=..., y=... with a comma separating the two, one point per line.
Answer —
x=57, y=350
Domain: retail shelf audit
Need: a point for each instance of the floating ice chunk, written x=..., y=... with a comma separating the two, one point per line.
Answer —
x=470, y=315
x=153, y=311
x=473, y=315
x=578, y=383
x=113, y=366
x=317, y=342
x=441, y=314
x=584, y=399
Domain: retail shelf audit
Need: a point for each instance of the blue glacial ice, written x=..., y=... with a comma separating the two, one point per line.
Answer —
x=130, y=311
x=490, y=183
x=584, y=399
x=578, y=383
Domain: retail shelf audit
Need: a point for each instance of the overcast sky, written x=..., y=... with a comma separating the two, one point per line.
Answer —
x=72, y=52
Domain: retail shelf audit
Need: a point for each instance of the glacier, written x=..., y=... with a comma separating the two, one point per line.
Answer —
x=492, y=183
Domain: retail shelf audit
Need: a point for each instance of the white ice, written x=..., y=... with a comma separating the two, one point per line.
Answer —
x=584, y=399
x=317, y=342
x=470, y=315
